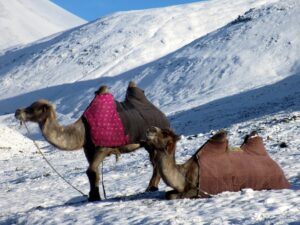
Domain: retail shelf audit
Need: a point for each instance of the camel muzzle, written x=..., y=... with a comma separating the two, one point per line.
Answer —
x=20, y=115
x=151, y=133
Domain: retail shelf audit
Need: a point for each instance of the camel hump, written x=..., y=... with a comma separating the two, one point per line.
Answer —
x=132, y=84
x=253, y=144
x=220, y=136
x=102, y=90
x=216, y=145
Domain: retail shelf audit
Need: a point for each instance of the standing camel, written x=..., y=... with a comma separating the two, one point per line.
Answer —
x=215, y=167
x=137, y=114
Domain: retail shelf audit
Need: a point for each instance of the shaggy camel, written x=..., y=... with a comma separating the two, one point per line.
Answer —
x=220, y=175
x=77, y=135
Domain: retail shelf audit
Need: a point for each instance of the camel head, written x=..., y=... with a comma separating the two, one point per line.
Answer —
x=162, y=139
x=37, y=112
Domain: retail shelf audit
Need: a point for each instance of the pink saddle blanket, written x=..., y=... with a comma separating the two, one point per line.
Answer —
x=105, y=123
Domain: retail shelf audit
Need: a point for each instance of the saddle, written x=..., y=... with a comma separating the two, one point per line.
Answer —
x=114, y=123
x=105, y=124
x=221, y=169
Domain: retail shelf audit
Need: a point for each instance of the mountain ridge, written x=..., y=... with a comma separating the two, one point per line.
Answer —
x=22, y=22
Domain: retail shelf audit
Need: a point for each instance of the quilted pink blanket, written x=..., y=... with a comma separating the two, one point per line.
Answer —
x=105, y=124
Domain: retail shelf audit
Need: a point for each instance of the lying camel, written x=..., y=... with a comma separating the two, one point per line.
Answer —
x=77, y=135
x=214, y=168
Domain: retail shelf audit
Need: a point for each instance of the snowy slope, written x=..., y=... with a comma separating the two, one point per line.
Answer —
x=31, y=192
x=24, y=21
x=113, y=45
x=260, y=47
x=244, y=76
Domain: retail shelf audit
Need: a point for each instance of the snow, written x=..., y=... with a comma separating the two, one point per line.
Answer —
x=34, y=194
x=110, y=46
x=25, y=21
x=239, y=70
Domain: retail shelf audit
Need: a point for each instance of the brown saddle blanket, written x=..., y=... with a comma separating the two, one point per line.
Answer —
x=138, y=114
x=251, y=167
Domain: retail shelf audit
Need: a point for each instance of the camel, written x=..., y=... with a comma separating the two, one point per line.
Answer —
x=187, y=179
x=77, y=135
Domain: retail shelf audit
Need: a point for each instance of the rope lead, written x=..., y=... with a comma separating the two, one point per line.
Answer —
x=47, y=161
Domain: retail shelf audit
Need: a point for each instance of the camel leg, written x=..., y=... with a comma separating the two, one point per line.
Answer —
x=128, y=148
x=94, y=162
x=94, y=174
x=154, y=181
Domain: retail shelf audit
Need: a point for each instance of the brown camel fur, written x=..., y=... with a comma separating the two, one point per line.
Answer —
x=188, y=180
x=76, y=136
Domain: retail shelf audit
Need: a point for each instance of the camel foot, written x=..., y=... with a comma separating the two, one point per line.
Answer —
x=151, y=189
x=94, y=195
x=171, y=195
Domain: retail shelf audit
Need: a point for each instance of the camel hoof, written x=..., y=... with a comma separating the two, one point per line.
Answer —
x=94, y=195
x=91, y=199
x=151, y=189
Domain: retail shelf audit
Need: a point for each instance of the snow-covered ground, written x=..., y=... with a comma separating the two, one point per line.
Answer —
x=239, y=73
x=31, y=193
x=25, y=21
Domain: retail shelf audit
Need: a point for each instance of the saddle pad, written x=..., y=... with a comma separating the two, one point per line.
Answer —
x=105, y=124
x=223, y=170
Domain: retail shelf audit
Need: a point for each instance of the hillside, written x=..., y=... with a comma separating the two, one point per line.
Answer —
x=22, y=22
x=110, y=46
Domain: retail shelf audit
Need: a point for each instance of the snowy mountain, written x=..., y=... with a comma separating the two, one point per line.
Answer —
x=240, y=70
x=24, y=21
x=110, y=46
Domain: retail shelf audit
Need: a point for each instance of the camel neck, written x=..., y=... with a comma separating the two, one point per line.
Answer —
x=70, y=137
x=170, y=172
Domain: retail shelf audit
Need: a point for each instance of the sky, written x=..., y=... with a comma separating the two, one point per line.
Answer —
x=93, y=9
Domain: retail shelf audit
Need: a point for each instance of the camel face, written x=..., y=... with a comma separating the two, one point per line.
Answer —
x=160, y=138
x=37, y=112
